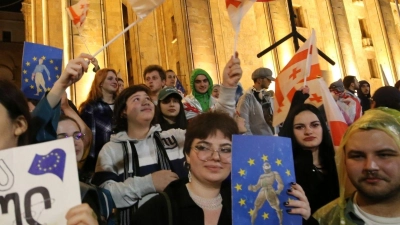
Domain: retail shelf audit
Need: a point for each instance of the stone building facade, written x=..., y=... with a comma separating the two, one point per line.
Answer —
x=361, y=36
x=11, y=45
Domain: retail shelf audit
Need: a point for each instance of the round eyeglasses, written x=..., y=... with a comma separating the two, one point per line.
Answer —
x=75, y=135
x=205, y=153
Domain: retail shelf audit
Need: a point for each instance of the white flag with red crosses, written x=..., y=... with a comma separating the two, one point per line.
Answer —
x=291, y=78
x=305, y=66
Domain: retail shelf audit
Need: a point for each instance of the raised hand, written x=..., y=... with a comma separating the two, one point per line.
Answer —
x=74, y=70
x=162, y=178
x=232, y=72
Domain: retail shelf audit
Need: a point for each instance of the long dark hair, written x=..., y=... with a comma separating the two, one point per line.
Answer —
x=326, y=153
x=16, y=105
x=120, y=122
x=180, y=119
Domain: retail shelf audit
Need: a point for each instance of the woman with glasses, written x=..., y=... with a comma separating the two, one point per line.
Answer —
x=15, y=122
x=204, y=197
x=100, y=199
x=68, y=127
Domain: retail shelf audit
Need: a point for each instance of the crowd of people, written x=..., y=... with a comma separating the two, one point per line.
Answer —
x=157, y=156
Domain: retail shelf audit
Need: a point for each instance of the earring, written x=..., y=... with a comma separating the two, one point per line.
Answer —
x=187, y=166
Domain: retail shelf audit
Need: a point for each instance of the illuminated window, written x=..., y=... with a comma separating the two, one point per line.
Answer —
x=299, y=16
x=174, y=30
x=373, y=68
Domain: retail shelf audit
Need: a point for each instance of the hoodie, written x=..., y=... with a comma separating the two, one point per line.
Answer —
x=197, y=103
x=109, y=172
x=365, y=99
x=205, y=98
x=341, y=210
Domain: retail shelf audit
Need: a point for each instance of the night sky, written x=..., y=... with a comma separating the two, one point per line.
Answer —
x=12, y=8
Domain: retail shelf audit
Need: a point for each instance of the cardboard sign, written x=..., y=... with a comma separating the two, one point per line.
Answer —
x=38, y=183
x=262, y=170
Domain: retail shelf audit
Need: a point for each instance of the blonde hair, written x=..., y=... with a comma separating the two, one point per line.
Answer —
x=383, y=119
x=95, y=92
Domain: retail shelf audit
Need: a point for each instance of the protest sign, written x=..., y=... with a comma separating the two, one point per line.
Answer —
x=38, y=183
x=262, y=170
x=41, y=67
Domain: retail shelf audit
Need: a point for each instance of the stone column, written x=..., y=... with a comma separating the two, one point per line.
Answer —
x=345, y=44
x=386, y=40
x=27, y=12
x=113, y=25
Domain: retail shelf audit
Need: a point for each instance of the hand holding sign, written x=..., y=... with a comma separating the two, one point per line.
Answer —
x=35, y=185
x=81, y=215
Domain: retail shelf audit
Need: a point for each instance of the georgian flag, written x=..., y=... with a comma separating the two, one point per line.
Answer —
x=78, y=12
x=143, y=8
x=238, y=8
x=304, y=64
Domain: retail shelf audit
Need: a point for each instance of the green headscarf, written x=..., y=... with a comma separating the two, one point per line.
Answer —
x=204, y=99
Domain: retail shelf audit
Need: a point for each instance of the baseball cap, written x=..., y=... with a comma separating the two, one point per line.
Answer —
x=262, y=72
x=167, y=91
x=337, y=85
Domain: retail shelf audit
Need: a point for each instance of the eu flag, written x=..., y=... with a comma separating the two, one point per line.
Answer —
x=54, y=163
x=41, y=67
x=262, y=170
x=179, y=86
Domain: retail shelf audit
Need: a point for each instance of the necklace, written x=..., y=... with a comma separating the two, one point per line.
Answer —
x=207, y=203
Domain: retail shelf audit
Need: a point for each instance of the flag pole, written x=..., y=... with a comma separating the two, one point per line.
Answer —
x=235, y=43
x=117, y=36
x=309, y=54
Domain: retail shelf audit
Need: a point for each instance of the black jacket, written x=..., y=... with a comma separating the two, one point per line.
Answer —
x=184, y=209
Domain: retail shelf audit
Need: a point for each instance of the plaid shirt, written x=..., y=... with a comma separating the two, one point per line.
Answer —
x=98, y=117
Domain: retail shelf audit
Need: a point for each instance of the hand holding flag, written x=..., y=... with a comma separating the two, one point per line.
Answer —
x=236, y=11
x=142, y=9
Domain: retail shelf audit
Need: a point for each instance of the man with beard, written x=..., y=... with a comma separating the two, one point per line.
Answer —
x=364, y=94
x=256, y=104
x=348, y=101
x=369, y=156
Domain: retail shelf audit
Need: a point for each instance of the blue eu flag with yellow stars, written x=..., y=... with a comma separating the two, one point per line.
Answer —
x=53, y=163
x=41, y=67
x=262, y=172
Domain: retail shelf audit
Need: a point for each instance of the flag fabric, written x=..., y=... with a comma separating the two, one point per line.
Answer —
x=78, y=13
x=262, y=170
x=41, y=67
x=336, y=121
x=143, y=8
x=53, y=163
x=238, y=8
x=179, y=86
x=291, y=78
